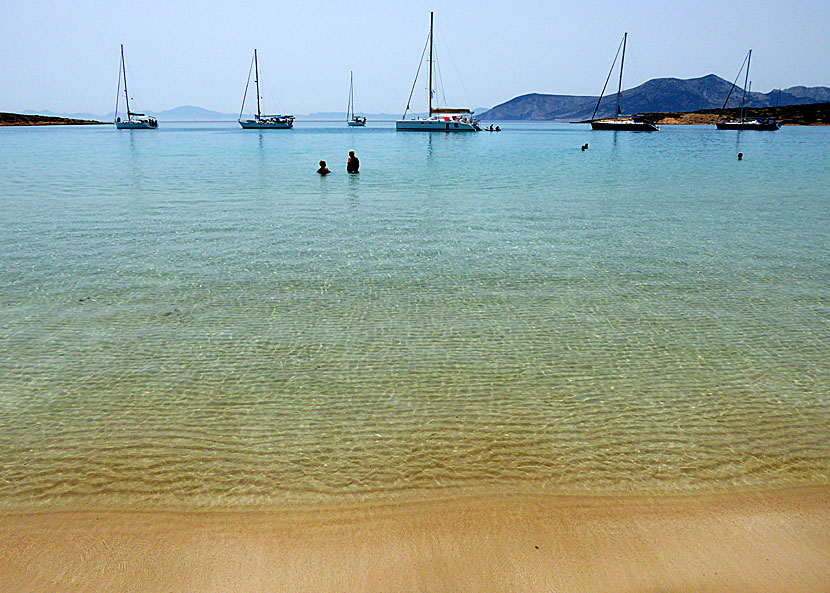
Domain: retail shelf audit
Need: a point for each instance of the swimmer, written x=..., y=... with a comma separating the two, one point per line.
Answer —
x=353, y=164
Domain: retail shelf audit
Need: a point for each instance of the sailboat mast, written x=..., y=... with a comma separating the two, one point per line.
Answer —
x=746, y=82
x=126, y=94
x=430, y=64
x=619, y=87
x=350, y=109
x=256, y=80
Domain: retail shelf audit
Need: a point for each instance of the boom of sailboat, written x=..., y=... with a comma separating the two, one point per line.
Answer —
x=443, y=118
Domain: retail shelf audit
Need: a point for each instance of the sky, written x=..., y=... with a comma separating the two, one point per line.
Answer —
x=64, y=56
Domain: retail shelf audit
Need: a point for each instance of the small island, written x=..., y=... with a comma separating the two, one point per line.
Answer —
x=19, y=119
x=813, y=114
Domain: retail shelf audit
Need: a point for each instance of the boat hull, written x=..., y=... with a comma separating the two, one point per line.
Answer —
x=356, y=124
x=748, y=125
x=136, y=125
x=430, y=125
x=260, y=125
x=629, y=126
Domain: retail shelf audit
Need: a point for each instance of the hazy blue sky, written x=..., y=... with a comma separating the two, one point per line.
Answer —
x=63, y=56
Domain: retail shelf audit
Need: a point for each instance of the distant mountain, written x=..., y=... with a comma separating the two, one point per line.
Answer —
x=656, y=95
x=183, y=113
x=191, y=113
x=341, y=115
x=820, y=93
x=84, y=116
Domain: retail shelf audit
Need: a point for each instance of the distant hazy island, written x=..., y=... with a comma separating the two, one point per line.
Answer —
x=815, y=114
x=19, y=119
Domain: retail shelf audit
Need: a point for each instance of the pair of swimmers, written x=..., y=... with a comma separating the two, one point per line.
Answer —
x=352, y=165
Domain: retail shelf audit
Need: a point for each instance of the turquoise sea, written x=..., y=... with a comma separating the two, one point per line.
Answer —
x=192, y=317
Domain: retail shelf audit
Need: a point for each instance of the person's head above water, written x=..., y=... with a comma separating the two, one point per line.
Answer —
x=351, y=153
x=322, y=163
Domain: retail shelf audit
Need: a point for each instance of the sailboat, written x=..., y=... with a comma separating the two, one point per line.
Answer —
x=353, y=120
x=439, y=119
x=134, y=121
x=636, y=123
x=260, y=121
x=762, y=123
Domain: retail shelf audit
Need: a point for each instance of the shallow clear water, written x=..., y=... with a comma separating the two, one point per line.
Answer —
x=191, y=316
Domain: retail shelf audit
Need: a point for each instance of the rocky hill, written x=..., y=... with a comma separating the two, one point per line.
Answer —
x=657, y=95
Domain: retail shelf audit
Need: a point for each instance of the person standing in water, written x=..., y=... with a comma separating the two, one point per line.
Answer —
x=353, y=165
x=323, y=170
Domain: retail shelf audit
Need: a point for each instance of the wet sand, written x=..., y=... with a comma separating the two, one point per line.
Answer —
x=750, y=541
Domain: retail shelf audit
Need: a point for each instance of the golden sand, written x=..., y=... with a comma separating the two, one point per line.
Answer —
x=683, y=119
x=737, y=542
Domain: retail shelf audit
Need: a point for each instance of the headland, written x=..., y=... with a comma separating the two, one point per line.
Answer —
x=19, y=119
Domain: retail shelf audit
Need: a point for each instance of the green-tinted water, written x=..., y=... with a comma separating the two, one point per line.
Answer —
x=192, y=316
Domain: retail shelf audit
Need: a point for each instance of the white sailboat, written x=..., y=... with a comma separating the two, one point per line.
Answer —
x=762, y=124
x=134, y=121
x=261, y=121
x=353, y=120
x=439, y=119
x=635, y=123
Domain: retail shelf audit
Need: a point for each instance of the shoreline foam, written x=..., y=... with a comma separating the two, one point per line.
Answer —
x=771, y=540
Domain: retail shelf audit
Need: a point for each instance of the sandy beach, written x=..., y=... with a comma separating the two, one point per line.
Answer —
x=750, y=541
x=575, y=375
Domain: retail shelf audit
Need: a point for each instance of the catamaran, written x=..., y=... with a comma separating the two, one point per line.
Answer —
x=761, y=123
x=261, y=121
x=635, y=123
x=134, y=121
x=439, y=119
x=353, y=120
